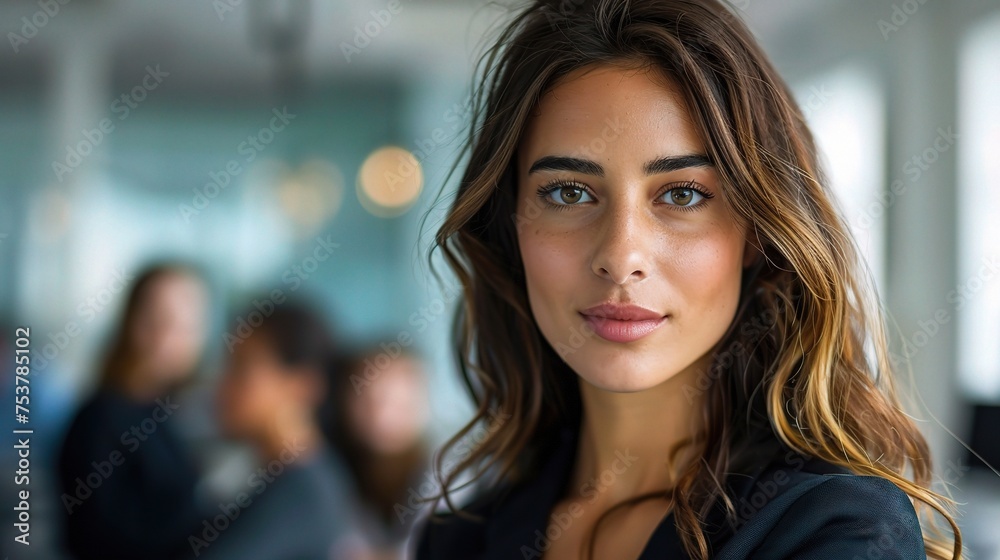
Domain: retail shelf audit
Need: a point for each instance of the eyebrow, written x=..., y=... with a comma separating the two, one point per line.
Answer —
x=588, y=167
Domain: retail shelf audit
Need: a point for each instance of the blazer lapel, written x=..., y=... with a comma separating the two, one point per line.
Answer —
x=518, y=525
x=665, y=542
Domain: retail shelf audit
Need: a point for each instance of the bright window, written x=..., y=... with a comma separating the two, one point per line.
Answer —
x=845, y=112
x=977, y=296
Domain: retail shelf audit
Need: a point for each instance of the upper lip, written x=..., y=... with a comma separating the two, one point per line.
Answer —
x=621, y=312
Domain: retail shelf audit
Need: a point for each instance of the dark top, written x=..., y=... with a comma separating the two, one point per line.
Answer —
x=297, y=507
x=127, y=485
x=790, y=507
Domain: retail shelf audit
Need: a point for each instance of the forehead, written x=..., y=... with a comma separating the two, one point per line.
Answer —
x=609, y=111
x=174, y=285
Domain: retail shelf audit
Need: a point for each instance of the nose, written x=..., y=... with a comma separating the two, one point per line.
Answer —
x=623, y=241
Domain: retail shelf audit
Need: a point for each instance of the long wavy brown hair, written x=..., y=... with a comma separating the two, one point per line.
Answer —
x=816, y=373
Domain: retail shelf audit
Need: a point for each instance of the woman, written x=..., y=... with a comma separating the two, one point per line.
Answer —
x=128, y=484
x=380, y=410
x=664, y=314
x=295, y=505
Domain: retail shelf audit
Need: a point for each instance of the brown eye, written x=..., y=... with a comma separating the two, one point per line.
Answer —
x=570, y=195
x=682, y=197
x=564, y=195
x=685, y=197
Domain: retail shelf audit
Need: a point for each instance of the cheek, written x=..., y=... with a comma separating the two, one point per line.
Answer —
x=551, y=263
x=257, y=400
x=708, y=274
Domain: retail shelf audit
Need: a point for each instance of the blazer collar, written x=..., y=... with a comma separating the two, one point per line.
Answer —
x=519, y=522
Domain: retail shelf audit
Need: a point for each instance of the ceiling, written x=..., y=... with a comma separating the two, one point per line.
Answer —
x=209, y=46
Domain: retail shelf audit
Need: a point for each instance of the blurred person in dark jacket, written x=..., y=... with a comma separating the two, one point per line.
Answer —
x=380, y=415
x=129, y=487
x=296, y=504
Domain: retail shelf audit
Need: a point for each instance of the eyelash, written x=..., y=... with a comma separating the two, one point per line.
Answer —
x=556, y=184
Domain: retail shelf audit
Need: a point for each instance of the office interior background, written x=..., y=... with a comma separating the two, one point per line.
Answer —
x=252, y=136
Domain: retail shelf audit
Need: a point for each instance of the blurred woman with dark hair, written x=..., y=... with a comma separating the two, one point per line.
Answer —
x=296, y=505
x=128, y=486
x=380, y=412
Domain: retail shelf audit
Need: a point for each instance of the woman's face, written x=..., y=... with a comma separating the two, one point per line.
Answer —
x=389, y=415
x=169, y=330
x=629, y=212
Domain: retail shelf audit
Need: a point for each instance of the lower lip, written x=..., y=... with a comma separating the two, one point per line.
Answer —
x=622, y=331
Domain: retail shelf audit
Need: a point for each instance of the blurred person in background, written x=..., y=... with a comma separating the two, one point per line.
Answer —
x=296, y=505
x=380, y=415
x=128, y=484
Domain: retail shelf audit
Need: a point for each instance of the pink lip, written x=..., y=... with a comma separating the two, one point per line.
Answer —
x=622, y=323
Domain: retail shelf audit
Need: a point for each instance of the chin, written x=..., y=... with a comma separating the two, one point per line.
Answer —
x=632, y=385
x=615, y=377
x=611, y=369
x=232, y=429
x=228, y=432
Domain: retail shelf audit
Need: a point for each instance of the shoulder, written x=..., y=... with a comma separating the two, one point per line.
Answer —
x=105, y=408
x=96, y=416
x=312, y=484
x=94, y=405
x=322, y=475
x=830, y=515
x=443, y=534
x=495, y=519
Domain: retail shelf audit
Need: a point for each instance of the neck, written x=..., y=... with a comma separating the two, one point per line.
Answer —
x=626, y=438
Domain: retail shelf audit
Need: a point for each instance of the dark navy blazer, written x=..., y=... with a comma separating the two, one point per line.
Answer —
x=790, y=507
